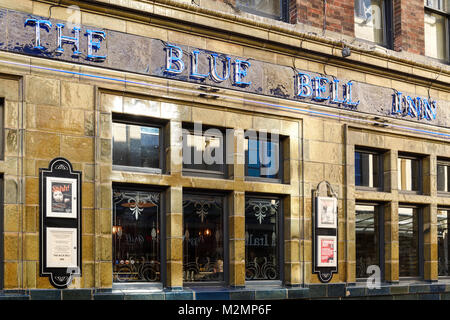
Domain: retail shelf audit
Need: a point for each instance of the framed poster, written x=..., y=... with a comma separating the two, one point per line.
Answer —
x=62, y=246
x=61, y=197
x=327, y=251
x=326, y=212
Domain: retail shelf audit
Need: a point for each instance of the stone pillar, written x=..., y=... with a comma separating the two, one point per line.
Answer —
x=430, y=245
x=174, y=238
x=236, y=229
x=292, y=241
x=391, y=253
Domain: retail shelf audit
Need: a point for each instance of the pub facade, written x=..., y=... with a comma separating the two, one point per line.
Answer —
x=175, y=150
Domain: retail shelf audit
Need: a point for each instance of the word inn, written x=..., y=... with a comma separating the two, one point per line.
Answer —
x=94, y=38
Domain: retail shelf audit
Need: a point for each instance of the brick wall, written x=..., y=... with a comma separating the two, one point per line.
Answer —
x=339, y=14
x=409, y=30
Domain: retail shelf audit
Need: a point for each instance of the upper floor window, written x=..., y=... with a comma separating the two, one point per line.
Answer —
x=263, y=157
x=437, y=29
x=373, y=21
x=368, y=169
x=409, y=173
x=275, y=9
x=137, y=146
x=443, y=176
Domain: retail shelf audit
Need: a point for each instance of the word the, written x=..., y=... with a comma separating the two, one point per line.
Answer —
x=94, y=38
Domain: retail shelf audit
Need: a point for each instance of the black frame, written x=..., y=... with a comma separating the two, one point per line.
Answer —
x=60, y=168
x=163, y=234
x=206, y=173
x=446, y=16
x=388, y=27
x=280, y=237
x=380, y=154
x=420, y=253
x=419, y=158
x=380, y=212
x=281, y=141
x=145, y=122
x=284, y=16
x=226, y=238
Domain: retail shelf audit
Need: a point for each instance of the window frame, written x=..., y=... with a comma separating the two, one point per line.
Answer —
x=420, y=244
x=143, y=122
x=284, y=15
x=280, y=244
x=206, y=173
x=2, y=217
x=380, y=154
x=443, y=208
x=226, y=239
x=388, y=25
x=420, y=174
x=446, y=15
x=380, y=208
x=162, y=246
x=281, y=160
x=446, y=163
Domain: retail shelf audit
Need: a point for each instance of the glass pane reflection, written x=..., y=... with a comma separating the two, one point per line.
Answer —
x=408, y=228
x=443, y=242
x=261, y=244
x=367, y=238
x=136, y=237
x=203, y=254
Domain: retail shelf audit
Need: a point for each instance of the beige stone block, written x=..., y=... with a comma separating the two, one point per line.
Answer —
x=238, y=120
x=175, y=111
x=30, y=274
x=60, y=120
x=270, y=125
x=174, y=274
x=30, y=219
x=333, y=132
x=11, y=165
x=101, y=21
x=406, y=88
x=88, y=195
x=145, y=30
x=11, y=275
x=313, y=129
x=11, y=246
x=31, y=247
x=105, y=128
x=376, y=61
x=77, y=149
x=9, y=89
x=12, y=142
x=11, y=218
x=23, y=5
x=105, y=274
x=261, y=55
x=141, y=107
x=111, y=103
x=88, y=221
x=11, y=114
x=430, y=270
x=42, y=145
x=174, y=224
x=379, y=81
x=174, y=249
x=76, y=95
x=42, y=91
x=237, y=251
x=292, y=271
x=292, y=251
x=106, y=196
x=182, y=38
x=208, y=116
x=334, y=173
x=236, y=227
x=32, y=191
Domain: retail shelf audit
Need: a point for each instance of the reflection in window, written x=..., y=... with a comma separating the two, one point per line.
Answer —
x=262, y=158
x=443, y=242
x=136, y=146
x=136, y=238
x=262, y=254
x=370, y=20
x=367, y=169
x=204, y=151
x=435, y=36
x=367, y=238
x=408, y=229
x=267, y=8
x=443, y=177
x=203, y=252
x=409, y=174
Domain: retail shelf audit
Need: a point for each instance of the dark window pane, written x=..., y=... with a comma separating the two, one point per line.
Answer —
x=269, y=8
x=261, y=239
x=441, y=176
x=409, y=175
x=136, y=236
x=408, y=242
x=367, y=169
x=136, y=146
x=262, y=158
x=204, y=151
x=203, y=253
x=367, y=239
x=443, y=243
